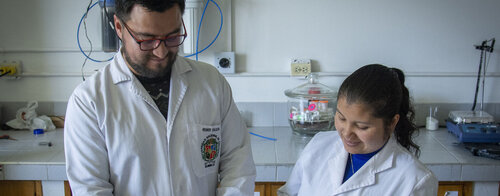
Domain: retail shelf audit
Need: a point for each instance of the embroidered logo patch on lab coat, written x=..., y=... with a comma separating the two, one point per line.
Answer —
x=210, y=149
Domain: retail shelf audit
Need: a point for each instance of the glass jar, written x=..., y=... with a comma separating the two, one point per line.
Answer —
x=311, y=107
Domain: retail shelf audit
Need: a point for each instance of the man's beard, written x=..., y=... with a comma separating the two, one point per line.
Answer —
x=141, y=69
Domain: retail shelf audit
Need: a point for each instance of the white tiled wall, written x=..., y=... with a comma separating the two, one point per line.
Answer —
x=266, y=173
x=446, y=172
x=56, y=172
x=480, y=173
x=53, y=188
x=25, y=172
x=283, y=173
x=486, y=188
x=259, y=114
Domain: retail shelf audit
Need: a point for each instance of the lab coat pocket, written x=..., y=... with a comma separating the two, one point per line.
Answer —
x=205, y=144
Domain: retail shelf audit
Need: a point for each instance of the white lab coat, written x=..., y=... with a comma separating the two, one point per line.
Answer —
x=392, y=171
x=117, y=141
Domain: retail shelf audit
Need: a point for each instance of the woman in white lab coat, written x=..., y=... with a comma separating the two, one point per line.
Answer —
x=370, y=153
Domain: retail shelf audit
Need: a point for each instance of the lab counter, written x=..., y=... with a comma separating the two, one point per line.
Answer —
x=440, y=152
x=274, y=159
x=23, y=159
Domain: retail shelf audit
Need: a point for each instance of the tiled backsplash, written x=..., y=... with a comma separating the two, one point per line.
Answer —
x=276, y=114
x=8, y=110
x=262, y=114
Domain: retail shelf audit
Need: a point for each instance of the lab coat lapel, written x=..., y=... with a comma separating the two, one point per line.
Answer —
x=178, y=87
x=121, y=73
x=336, y=171
x=365, y=176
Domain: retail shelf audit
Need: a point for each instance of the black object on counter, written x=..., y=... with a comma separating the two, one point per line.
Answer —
x=487, y=150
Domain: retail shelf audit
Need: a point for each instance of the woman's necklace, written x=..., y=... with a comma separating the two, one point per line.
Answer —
x=352, y=164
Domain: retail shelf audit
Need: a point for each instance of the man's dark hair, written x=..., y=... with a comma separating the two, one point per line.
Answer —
x=124, y=7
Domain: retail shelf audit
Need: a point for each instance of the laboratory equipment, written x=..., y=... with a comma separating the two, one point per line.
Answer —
x=110, y=41
x=311, y=107
x=473, y=126
x=476, y=126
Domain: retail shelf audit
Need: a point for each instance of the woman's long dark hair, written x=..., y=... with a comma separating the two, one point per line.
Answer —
x=383, y=89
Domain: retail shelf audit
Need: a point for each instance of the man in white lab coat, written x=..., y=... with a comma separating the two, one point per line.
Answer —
x=152, y=122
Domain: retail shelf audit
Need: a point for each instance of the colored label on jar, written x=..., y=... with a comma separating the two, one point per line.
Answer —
x=311, y=107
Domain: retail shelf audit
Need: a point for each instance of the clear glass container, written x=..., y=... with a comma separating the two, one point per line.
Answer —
x=40, y=139
x=311, y=107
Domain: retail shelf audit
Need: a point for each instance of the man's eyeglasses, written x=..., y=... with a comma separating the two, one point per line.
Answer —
x=151, y=44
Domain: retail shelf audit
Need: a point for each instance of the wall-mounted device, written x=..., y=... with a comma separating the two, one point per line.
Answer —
x=11, y=69
x=300, y=67
x=225, y=62
x=110, y=41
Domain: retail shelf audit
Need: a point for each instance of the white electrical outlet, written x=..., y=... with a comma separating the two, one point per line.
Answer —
x=300, y=67
x=10, y=69
x=224, y=62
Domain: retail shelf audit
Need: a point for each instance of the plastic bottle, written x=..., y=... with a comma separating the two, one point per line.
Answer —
x=40, y=139
x=431, y=123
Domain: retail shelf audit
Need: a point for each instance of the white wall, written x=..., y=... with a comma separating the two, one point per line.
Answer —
x=432, y=41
